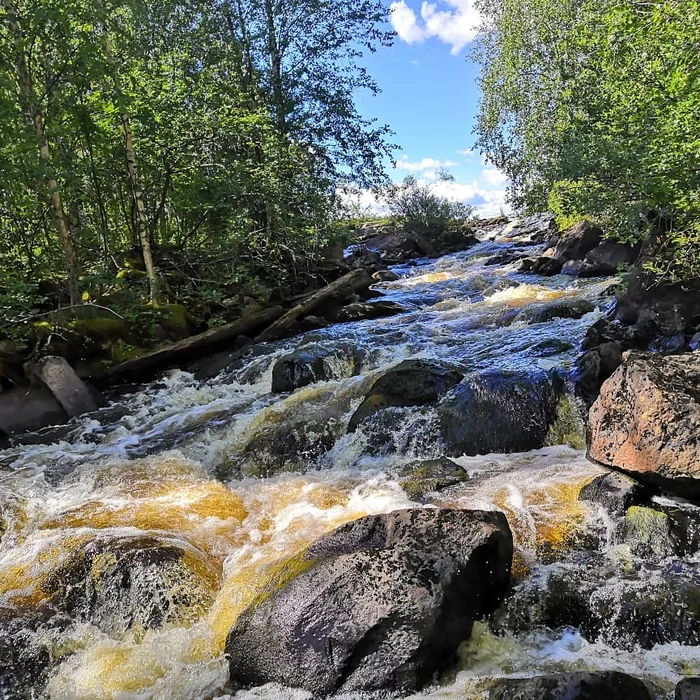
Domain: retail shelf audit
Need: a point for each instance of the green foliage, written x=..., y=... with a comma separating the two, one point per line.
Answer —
x=421, y=209
x=219, y=168
x=593, y=108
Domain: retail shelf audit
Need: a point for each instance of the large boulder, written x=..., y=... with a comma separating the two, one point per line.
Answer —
x=646, y=421
x=606, y=258
x=362, y=311
x=688, y=689
x=380, y=603
x=70, y=391
x=315, y=363
x=608, y=685
x=578, y=241
x=410, y=383
x=498, y=412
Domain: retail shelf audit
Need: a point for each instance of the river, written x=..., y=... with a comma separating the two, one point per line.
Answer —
x=237, y=479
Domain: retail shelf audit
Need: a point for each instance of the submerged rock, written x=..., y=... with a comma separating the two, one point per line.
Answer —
x=26, y=654
x=315, y=363
x=380, y=603
x=362, y=311
x=498, y=412
x=575, y=308
x=607, y=685
x=410, y=383
x=646, y=421
x=133, y=582
x=419, y=479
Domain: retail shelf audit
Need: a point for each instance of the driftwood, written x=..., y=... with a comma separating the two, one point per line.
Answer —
x=177, y=354
x=345, y=286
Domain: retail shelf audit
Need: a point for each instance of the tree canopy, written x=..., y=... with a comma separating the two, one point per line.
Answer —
x=592, y=108
x=223, y=126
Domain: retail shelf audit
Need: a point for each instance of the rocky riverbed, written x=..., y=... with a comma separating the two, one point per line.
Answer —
x=400, y=505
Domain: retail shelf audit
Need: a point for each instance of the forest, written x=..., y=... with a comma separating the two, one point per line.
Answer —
x=176, y=150
x=186, y=159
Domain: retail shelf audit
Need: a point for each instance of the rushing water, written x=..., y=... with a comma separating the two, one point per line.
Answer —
x=173, y=464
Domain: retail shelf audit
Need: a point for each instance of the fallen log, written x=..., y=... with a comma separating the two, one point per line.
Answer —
x=176, y=354
x=347, y=285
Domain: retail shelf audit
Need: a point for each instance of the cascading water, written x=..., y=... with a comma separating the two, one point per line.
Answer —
x=130, y=547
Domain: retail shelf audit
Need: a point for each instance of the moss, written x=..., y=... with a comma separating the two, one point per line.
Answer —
x=421, y=478
x=568, y=427
x=121, y=352
x=648, y=532
x=175, y=319
x=102, y=328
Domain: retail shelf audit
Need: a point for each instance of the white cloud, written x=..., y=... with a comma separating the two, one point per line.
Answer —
x=405, y=23
x=426, y=167
x=494, y=176
x=467, y=152
x=455, y=22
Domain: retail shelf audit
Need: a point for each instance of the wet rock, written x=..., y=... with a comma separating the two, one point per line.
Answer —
x=380, y=603
x=418, y=479
x=595, y=366
x=688, y=689
x=671, y=307
x=608, y=685
x=648, y=533
x=625, y=604
x=669, y=345
x=575, y=308
x=606, y=258
x=535, y=229
x=410, y=383
x=551, y=346
x=498, y=412
x=385, y=276
x=290, y=446
x=26, y=654
x=505, y=258
x=615, y=492
x=646, y=421
x=572, y=268
x=544, y=265
x=71, y=392
x=578, y=241
x=361, y=311
x=315, y=363
x=23, y=410
x=694, y=343
x=122, y=583
x=397, y=247
x=453, y=240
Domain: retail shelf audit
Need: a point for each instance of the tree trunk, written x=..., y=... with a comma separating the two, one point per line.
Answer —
x=34, y=120
x=137, y=193
x=141, y=217
x=276, y=66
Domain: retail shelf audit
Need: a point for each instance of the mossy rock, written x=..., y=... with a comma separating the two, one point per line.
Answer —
x=419, y=479
x=569, y=427
x=109, y=328
x=648, y=532
x=175, y=320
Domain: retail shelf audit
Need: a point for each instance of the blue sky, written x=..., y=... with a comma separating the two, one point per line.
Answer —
x=430, y=99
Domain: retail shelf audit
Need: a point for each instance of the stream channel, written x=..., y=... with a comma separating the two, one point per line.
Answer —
x=199, y=488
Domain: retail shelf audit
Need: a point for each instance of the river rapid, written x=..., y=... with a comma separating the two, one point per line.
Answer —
x=237, y=479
